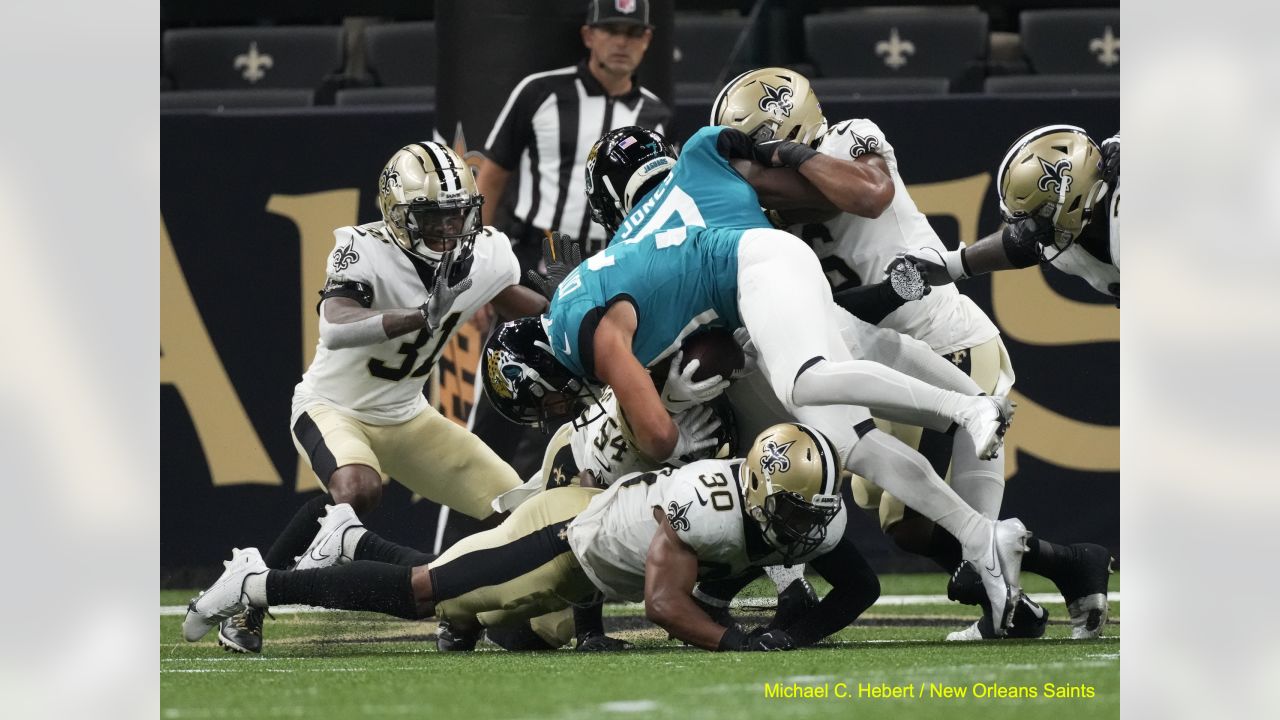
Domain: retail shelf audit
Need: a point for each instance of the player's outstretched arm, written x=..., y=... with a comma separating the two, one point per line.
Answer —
x=670, y=572
x=616, y=365
x=854, y=588
x=1015, y=246
x=344, y=323
x=517, y=301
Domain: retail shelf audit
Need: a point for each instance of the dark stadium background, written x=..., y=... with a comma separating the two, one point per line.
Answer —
x=254, y=177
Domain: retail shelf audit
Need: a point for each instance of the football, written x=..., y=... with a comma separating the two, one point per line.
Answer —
x=716, y=349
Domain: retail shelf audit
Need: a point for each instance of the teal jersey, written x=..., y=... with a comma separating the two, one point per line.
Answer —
x=687, y=279
x=703, y=190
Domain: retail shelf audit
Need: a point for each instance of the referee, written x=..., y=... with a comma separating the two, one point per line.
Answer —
x=551, y=120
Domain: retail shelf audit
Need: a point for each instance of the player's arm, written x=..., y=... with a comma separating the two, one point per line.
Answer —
x=1016, y=246
x=345, y=323
x=492, y=182
x=616, y=365
x=516, y=301
x=854, y=588
x=670, y=572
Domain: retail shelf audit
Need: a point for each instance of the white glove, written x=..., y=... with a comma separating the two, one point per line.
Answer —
x=750, y=356
x=697, y=428
x=442, y=294
x=938, y=268
x=682, y=392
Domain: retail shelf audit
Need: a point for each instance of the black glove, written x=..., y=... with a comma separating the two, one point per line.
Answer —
x=764, y=640
x=561, y=254
x=907, y=278
x=1111, y=160
x=790, y=154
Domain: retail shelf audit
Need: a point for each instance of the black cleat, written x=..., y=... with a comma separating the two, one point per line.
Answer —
x=1083, y=584
x=793, y=603
x=452, y=639
x=965, y=586
x=243, y=633
x=1029, y=621
x=599, y=642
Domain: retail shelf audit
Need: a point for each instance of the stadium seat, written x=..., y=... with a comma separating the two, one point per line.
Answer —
x=220, y=99
x=1033, y=84
x=1072, y=41
x=831, y=89
x=401, y=54
x=411, y=95
x=252, y=57
x=900, y=42
x=702, y=46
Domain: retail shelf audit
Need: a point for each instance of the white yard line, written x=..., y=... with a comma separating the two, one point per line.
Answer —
x=762, y=602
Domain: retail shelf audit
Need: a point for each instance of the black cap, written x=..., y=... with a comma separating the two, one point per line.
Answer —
x=600, y=12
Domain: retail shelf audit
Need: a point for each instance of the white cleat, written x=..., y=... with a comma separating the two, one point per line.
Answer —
x=1088, y=616
x=987, y=419
x=225, y=597
x=1011, y=544
x=985, y=560
x=969, y=634
x=326, y=549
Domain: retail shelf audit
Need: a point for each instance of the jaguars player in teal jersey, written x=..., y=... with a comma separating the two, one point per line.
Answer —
x=692, y=249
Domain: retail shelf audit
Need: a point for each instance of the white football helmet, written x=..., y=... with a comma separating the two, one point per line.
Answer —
x=430, y=201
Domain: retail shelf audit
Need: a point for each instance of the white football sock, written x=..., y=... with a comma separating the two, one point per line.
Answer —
x=350, y=539
x=254, y=589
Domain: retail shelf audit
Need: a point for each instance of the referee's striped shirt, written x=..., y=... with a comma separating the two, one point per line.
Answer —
x=544, y=132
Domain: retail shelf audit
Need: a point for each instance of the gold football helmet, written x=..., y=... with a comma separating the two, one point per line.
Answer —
x=430, y=201
x=1053, y=172
x=771, y=103
x=791, y=482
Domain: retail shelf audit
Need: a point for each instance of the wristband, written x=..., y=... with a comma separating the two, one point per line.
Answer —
x=733, y=639
x=794, y=154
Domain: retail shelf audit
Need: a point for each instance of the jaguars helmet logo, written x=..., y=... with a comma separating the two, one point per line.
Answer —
x=505, y=372
x=1055, y=178
x=775, y=457
x=776, y=99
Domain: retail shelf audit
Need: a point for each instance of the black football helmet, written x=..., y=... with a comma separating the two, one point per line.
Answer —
x=525, y=382
x=622, y=166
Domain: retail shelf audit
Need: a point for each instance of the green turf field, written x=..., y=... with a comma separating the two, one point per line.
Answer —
x=355, y=665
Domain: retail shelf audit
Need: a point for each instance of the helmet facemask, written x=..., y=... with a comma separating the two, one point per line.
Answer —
x=794, y=527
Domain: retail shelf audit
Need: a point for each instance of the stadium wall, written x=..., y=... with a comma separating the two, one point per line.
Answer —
x=248, y=203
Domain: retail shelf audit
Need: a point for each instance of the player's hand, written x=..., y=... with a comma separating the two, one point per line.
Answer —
x=750, y=356
x=936, y=268
x=762, y=639
x=682, y=392
x=907, y=278
x=561, y=254
x=443, y=294
x=1111, y=160
x=697, y=431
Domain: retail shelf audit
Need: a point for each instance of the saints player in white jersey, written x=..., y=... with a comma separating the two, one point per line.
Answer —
x=1060, y=195
x=857, y=249
x=649, y=537
x=396, y=291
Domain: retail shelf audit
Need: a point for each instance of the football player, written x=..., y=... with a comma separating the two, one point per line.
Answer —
x=1060, y=195
x=649, y=537
x=396, y=291
x=772, y=103
x=692, y=247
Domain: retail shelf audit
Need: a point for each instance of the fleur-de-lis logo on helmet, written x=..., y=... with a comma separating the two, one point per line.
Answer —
x=776, y=99
x=1055, y=178
x=390, y=176
x=775, y=457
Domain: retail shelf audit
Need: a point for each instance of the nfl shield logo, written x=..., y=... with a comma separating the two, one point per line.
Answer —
x=625, y=6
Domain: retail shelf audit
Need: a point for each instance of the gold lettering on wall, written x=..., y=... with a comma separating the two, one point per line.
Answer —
x=1030, y=311
x=190, y=363
x=1059, y=440
x=316, y=215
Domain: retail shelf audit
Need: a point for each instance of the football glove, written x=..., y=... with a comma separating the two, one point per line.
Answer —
x=682, y=392
x=561, y=254
x=1111, y=160
x=907, y=279
x=764, y=640
x=697, y=431
x=442, y=295
x=750, y=356
x=936, y=268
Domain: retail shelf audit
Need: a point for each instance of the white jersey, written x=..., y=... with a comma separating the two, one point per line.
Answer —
x=382, y=384
x=945, y=319
x=1076, y=260
x=703, y=503
x=603, y=445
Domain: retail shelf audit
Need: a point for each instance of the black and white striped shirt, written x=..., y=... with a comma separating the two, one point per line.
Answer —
x=544, y=133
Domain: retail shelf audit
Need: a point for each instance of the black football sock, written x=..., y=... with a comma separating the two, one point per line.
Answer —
x=372, y=547
x=944, y=549
x=298, y=534
x=364, y=585
x=588, y=620
x=1046, y=558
